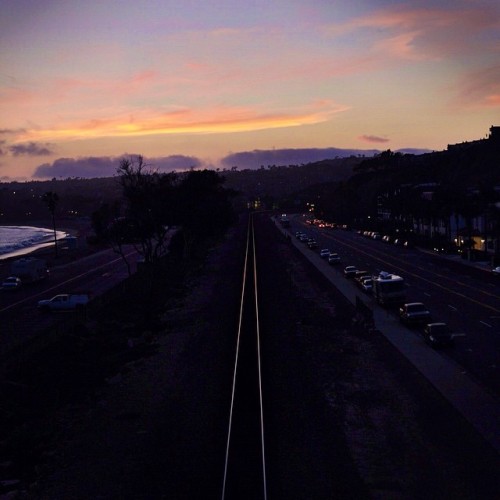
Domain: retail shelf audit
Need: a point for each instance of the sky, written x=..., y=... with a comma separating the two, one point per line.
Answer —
x=205, y=83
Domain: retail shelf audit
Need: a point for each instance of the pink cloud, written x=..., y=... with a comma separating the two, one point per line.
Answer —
x=15, y=96
x=401, y=46
x=472, y=18
x=373, y=139
x=411, y=33
x=66, y=98
x=480, y=89
x=126, y=85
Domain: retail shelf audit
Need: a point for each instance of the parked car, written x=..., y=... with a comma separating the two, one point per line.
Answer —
x=29, y=269
x=414, y=313
x=367, y=284
x=12, y=283
x=334, y=258
x=359, y=275
x=438, y=334
x=350, y=271
x=324, y=253
x=312, y=244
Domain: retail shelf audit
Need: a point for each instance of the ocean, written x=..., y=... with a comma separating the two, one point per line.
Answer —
x=21, y=240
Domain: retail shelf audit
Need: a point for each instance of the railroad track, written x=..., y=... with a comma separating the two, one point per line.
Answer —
x=245, y=464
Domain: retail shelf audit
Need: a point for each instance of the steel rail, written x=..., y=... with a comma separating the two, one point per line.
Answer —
x=259, y=366
x=250, y=257
x=235, y=369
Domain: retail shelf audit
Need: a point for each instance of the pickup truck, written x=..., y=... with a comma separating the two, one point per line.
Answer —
x=64, y=302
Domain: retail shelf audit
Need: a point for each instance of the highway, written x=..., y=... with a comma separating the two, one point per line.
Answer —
x=95, y=274
x=469, y=388
x=466, y=298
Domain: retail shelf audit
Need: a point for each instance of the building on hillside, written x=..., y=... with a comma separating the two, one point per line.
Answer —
x=493, y=137
x=494, y=134
x=452, y=231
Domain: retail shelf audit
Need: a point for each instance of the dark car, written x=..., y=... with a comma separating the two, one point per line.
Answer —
x=350, y=271
x=438, y=334
x=366, y=284
x=11, y=283
x=334, y=258
x=360, y=275
x=414, y=313
x=312, y=244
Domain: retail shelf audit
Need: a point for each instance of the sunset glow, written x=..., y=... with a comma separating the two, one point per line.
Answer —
x=104, y=79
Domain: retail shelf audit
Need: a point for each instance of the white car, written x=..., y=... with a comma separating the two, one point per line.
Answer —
x=496, y=270
x=324, y=253
x=11, y=283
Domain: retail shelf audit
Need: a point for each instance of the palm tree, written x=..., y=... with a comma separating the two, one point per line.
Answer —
x=51, y=199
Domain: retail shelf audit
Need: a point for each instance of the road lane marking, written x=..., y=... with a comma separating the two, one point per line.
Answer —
x=485, y=324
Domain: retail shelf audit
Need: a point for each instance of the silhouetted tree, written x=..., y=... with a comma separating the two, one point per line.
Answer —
x=149, y=199
x=203, y=207
x=118, y=234
x=102, y=218
x=51, y=200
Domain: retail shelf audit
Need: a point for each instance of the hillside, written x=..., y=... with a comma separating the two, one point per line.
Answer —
x=344, y=186
x=276, y=183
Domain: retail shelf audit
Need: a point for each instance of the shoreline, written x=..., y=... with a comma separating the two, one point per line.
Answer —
x=26, y=251
x=72, y=228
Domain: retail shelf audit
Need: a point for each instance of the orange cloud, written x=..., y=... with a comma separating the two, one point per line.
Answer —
x=186, y=121
x=493, y=101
